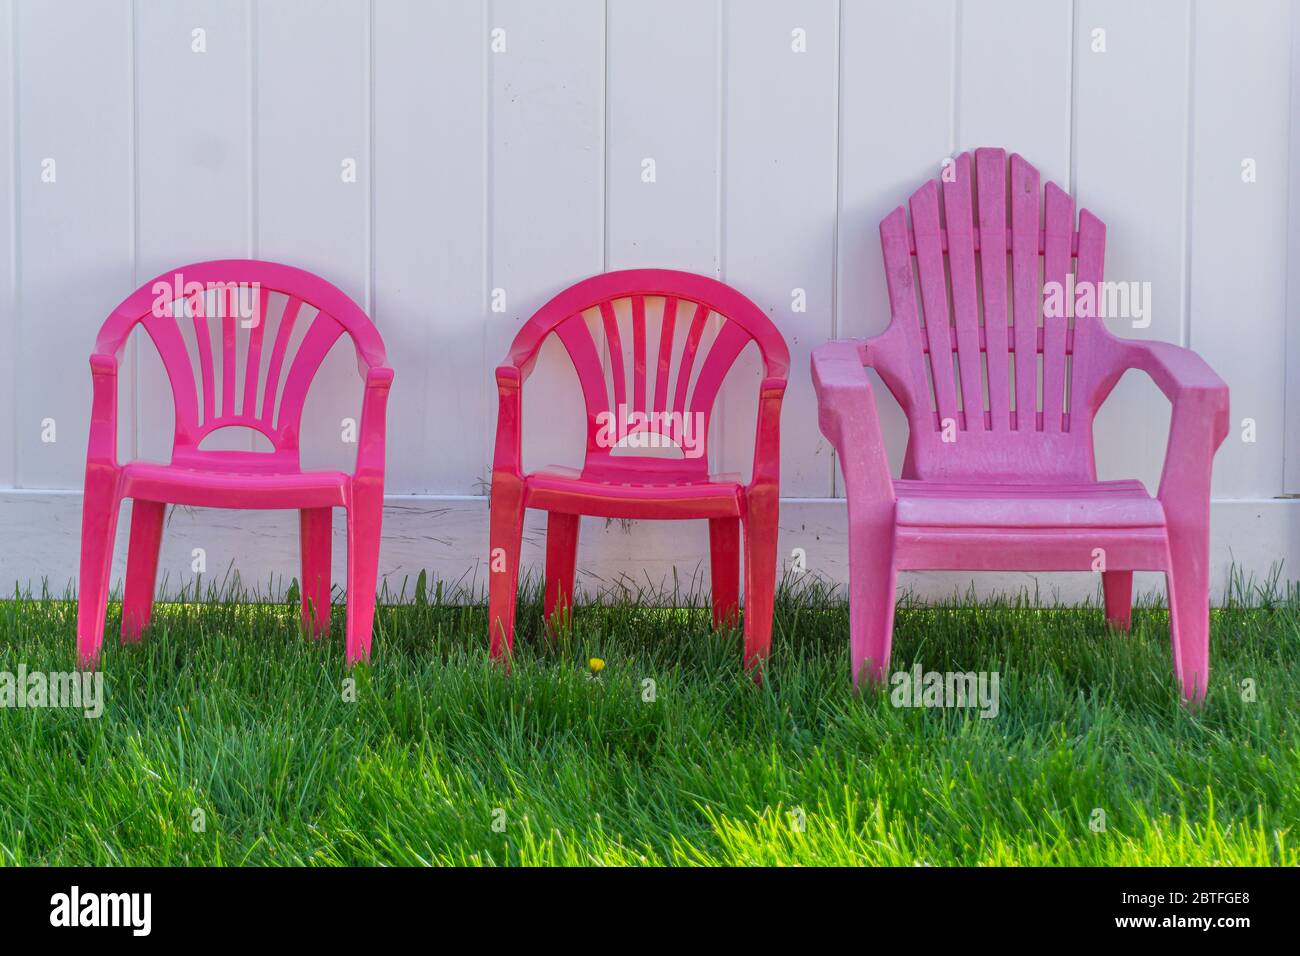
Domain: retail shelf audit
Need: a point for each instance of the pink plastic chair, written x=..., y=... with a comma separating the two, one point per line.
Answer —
x=999, y=473
x=234, y=479
x=638, y=485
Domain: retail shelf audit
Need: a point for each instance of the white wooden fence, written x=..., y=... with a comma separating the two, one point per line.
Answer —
x=432, y=157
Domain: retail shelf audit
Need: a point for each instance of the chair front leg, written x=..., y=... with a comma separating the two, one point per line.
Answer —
x=760, y=522
x=872, y=580
x=505, y=535
x=98, y=529
x=1188, y=582
x=365, y=520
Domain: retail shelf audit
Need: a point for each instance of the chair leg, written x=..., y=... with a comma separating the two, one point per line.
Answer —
x=141, y=567
x=760, y=575
x=365, y=521
x=98, y=527
x=505, y=533
x=872, y=581
x=1189, y=611
x=315, y=536
x=561, y=563
x=1117, y=586
x=724, y=568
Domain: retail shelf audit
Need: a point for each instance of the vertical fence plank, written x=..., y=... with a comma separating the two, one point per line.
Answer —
x=893, y=136
x=1238, y=248
x=1140, y=192
x=664, y=113
x=780, y=165
x=75, y=194
x=1013, y=81
x=1292, y=399
x=193, y=109
x=429, y=241
x=547, y=202
x=313, y=180
x=9, y=361
x=663, y=109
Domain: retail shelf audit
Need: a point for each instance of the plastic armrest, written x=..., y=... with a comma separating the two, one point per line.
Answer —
x=374, y=416
x=846, y=413
x=1199, y=420
x=767, y=440
x=102, y=445
x=507, y=455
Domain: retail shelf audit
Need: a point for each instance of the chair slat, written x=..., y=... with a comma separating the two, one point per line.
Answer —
x=253, y=363
x=990, y=177
x=688, y=356
x=287, y=319
x=1056, y=265
x=614, y=346
x=902, y=301
x=965, y=304
x=666, y=334
x=731, y=339
x=640, y=401
x=166, y=336
x=315, y=345
x=229, y=314
x=1087, y=268
x=581, y=346
x=934, y=298
x=203, y=340
x=1026, y=290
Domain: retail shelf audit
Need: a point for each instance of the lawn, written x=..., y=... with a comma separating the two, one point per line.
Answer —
x=227, y=738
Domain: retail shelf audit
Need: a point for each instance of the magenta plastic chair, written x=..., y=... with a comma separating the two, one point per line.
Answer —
x=681, y=305
x=999, y=472
x=234, y=479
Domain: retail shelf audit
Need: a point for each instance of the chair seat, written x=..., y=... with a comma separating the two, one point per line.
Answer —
x=1097, y=504
x=235, y=488
x=566, y=490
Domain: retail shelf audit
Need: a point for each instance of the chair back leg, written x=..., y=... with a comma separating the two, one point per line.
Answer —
x=561, y=564
x=724, y=569
x=1117, y=588
x=315, y=536
x=141, y=567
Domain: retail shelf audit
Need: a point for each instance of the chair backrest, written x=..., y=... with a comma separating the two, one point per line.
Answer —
x=247, y=377
x=657, y=387
x=994, y=375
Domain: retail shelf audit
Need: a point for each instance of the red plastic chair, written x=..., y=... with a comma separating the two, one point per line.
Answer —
x=234, y=479
x=638, y=485
x=1002, y=476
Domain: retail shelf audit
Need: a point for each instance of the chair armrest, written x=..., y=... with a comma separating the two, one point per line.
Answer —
x=508, y=456
x=1199, y=422
x=767, y=441
x=374, y=416
x=846, y=412
x=102, y=446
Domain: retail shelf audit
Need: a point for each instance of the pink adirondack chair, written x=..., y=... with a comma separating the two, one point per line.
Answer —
x=999, y=473
x=234, y=479
x=617, y=485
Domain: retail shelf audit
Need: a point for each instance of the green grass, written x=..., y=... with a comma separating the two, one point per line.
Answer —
x=226, y=709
